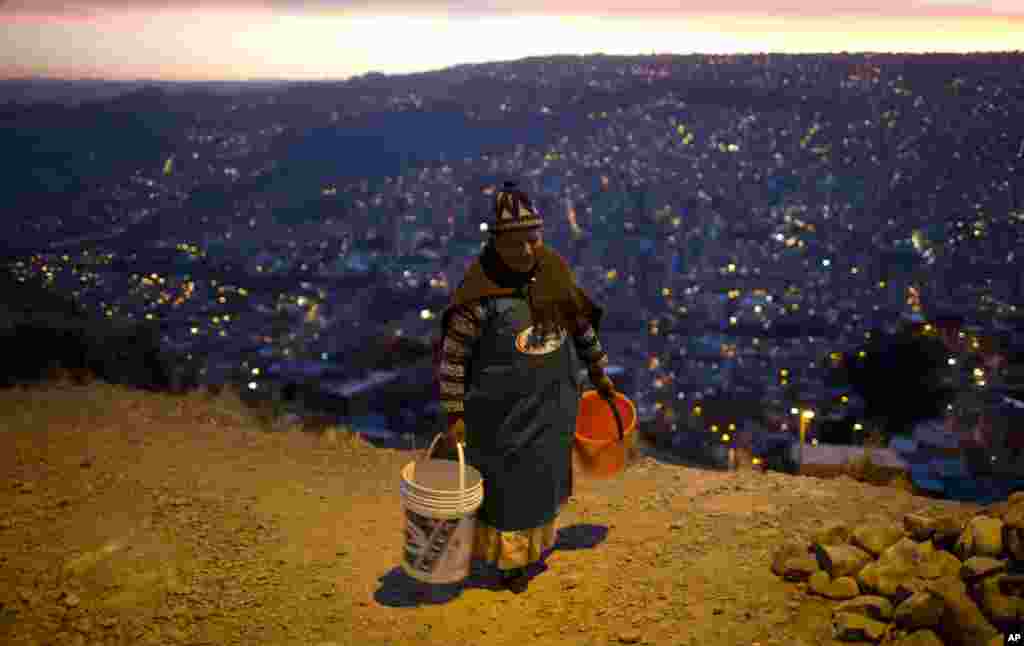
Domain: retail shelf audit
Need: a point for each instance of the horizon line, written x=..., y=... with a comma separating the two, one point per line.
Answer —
x=15, y=79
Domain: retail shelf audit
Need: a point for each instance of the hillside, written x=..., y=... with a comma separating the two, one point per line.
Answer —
x=149, y=518
x=41, y=329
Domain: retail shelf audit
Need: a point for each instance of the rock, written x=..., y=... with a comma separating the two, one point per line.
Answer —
x=921, y=638
x=1014, y=541
x=630, y=637
x=1003, y=609
x=998, y=509
x=894, y=581
x=1012, y=584
x=943, y=580
x=877, y=608
x=920, y=528
x=963, y=623
x=947, y=531
x=800, y=568
x=940, y=565
x=874, y=539
x=919, y=611
x=850, y=627
x=841, y=560
x=1014, y=516
x=908, y=551
x=329, y=439
x=840, y=588
x=832, y=534
x=983, y=536
x=789, y=550
x=977, y=568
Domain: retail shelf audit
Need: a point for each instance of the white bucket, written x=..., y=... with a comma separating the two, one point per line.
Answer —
x=440, y=516
x=442, y=509
x=456, y=507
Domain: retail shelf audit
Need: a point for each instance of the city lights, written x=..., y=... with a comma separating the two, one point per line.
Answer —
x=712, y=233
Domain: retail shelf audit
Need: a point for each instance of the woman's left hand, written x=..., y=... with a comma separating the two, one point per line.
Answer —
x=605, y=386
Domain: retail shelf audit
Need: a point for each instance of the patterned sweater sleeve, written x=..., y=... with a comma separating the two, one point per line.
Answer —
x=588, y=346
x=456, y=344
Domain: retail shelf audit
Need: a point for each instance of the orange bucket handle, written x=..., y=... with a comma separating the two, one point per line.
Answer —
x=615, y=411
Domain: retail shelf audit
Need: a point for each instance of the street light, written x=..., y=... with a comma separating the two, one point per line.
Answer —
x=805, y=421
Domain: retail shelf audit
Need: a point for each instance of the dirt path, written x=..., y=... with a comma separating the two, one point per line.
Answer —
x=208, y=533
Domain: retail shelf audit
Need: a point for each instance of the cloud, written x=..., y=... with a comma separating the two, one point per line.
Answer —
x=623, y=8
x=45, y=15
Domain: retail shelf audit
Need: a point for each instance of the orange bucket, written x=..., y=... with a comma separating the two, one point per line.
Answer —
x=604, y=432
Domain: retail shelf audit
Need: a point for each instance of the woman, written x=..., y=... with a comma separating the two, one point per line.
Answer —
x=509, y=386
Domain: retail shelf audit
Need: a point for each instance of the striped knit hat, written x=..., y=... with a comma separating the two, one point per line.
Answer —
x=513, y=210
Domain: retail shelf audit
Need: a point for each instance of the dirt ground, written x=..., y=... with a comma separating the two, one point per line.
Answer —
x=122, y=523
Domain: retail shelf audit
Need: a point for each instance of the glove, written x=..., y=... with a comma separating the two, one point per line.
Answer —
x=603, y=384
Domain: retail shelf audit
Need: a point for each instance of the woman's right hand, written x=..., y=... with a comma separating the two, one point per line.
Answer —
x=456, y=433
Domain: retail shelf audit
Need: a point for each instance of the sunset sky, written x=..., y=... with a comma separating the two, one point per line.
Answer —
x=336, y=39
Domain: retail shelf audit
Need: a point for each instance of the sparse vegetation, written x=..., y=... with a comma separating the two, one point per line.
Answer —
x=82, y=402
x=863, y=469
x=44, y=333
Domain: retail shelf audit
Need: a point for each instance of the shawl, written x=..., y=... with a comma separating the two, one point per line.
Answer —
x=550, y=287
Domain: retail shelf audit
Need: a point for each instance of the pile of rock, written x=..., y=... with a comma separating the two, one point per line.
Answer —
x=943, y=581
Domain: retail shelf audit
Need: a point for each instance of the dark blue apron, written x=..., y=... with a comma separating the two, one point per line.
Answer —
x=520, y=412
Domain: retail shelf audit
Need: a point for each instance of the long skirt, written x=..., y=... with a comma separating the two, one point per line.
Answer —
x=508, y=550
x=511, y=549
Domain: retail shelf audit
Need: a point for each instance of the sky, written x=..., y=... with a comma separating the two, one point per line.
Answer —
x=229, y=40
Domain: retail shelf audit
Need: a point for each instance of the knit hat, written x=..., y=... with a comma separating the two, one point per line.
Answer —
x=513, y=210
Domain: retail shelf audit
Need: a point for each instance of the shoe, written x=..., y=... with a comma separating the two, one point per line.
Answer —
x=515, y=580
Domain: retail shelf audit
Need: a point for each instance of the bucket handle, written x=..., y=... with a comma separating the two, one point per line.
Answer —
x=462, y=461
x=615, y=411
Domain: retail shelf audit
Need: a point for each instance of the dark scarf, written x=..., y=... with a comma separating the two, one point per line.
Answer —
x=500, y=273
x=550, y=288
